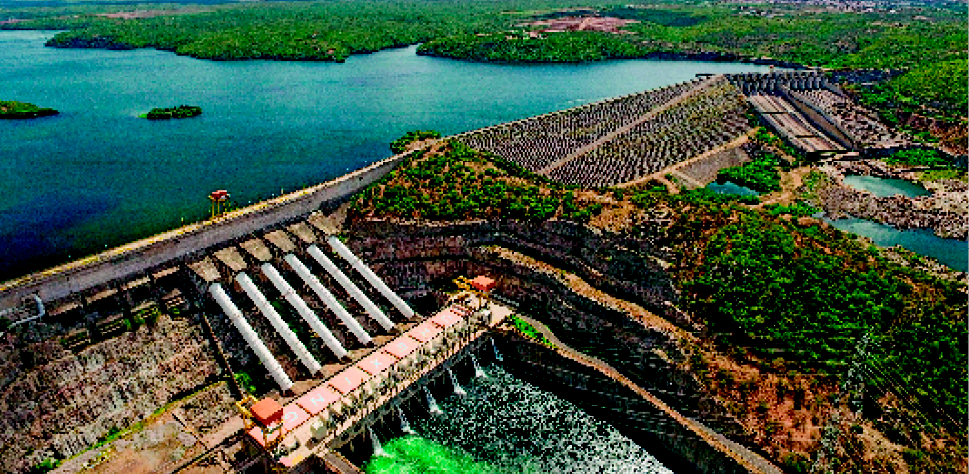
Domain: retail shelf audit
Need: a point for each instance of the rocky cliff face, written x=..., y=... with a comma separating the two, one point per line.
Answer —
x=57, y=403
x=603, y=293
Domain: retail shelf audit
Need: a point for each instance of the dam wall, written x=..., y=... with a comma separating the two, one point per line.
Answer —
x=139, y=257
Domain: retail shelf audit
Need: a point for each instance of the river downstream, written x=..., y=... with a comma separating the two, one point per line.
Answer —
x=507, y=425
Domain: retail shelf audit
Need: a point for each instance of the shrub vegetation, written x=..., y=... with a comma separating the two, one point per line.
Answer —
x=454, y=182
x=178, y=112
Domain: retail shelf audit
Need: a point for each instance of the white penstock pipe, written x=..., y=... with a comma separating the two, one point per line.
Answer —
x=328, y=299
x=372, y=277
x=268, y=361
x=308, y=315
x=270, y=313
x=355, y=292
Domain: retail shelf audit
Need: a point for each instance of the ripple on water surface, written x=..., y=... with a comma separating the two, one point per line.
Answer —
x=507, y=425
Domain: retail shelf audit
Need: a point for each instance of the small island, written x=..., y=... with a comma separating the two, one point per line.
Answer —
x=22, y=110
x=182, y=111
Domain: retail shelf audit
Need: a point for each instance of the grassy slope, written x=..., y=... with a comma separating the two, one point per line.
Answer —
x=786, y=301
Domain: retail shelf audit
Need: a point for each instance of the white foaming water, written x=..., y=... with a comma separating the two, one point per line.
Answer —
x=521, y=428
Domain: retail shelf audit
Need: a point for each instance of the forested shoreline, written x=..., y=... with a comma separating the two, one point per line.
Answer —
x=926, y=41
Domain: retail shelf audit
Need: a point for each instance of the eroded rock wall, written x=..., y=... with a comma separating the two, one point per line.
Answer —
x=419, y=258
x=56, y=403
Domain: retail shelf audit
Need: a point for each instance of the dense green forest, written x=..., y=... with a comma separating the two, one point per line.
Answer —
x=930, y=40
x=519, y=47
x=10, y=109
x=455, y=182
x=934, y=89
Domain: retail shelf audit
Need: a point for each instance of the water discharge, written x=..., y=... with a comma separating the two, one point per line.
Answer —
x=506, y=425
x=478, y=371
x=378, y=450
x=404, y=425
x=432, y=406
x=495, y=349
x=454, y=382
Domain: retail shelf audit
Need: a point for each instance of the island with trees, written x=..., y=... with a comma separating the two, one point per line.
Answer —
x=10, y=109
x=179, y=112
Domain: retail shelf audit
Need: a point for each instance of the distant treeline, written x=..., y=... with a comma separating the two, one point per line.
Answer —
x=930, y=41
x=571, y=47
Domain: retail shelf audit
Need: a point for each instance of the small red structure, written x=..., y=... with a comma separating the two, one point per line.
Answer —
x=267, y=411
x=217, y=198
x=483, y=283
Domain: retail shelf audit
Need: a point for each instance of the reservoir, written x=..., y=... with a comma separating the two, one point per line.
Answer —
x=507, y=425
x=97, y=175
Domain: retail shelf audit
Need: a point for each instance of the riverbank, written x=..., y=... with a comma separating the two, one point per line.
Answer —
x=944, y=211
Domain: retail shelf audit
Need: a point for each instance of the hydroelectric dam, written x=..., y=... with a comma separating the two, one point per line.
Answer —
x=344, y=324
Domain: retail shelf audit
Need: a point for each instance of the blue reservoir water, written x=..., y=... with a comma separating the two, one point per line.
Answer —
x=97, y=175
x=885, y=187
x=950, y=252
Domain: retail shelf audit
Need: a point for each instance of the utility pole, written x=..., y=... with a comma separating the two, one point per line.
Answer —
x=850, y=391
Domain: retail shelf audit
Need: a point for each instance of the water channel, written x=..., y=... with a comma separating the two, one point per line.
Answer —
x=886, y=187
x=506, y=425
x=952, y=253
x=98, y=175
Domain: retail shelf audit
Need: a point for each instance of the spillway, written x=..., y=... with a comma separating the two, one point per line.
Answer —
x=370, y=276
x=351, y=288
x=308, y=315
x=328, y=299
x=266, y=357
x=270, y=313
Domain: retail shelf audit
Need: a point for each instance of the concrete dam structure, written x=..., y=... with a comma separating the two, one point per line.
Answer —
x=346, y=331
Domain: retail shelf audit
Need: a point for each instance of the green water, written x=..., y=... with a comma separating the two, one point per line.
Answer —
x=97, y=175
x=506, y=425
x=416, y=455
